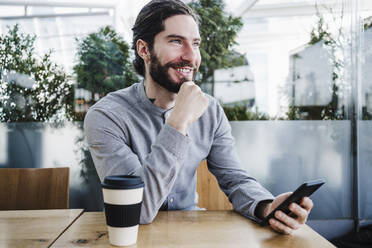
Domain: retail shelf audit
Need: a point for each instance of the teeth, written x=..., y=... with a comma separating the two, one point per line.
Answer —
x=183, y=70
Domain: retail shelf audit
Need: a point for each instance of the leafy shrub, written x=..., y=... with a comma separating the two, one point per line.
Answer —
x=31, y=88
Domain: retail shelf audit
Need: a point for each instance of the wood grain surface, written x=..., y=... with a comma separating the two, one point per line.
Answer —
x=34, y=188
x=211, y=196
x=34, y=228
x=191, y=229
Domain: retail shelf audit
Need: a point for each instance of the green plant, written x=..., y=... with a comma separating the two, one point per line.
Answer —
x=367, y=23
x=104, y=63
x=218, y=31
x=320, y=32
x=240, y=113
x=333, y=43
x=31, y=88
x=293, y=113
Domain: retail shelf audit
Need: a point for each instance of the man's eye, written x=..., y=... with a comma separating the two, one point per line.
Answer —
x=196, y=44
x=176, y=41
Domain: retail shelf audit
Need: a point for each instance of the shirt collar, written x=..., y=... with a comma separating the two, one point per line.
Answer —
x=147, y=102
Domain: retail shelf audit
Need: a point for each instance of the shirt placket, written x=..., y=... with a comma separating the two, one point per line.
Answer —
x=169, y=201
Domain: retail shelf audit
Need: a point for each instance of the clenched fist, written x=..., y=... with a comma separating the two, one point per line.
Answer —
x=190, y=104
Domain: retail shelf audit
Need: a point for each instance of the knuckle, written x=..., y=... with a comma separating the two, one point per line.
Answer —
x=304, y=213
x=299, y=213
x=187, y=84
x=277, y=214
x=311, y=203
x=296, y=226
x=286, y=230
x=281, y=216
x=308, y=202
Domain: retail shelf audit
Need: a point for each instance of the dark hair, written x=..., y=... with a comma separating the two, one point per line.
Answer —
x=150, y=22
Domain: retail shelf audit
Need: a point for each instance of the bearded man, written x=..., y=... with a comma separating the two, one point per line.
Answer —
x=162, y=128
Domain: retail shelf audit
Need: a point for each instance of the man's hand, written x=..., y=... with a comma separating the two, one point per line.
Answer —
x=284, y=223
x=190, y=104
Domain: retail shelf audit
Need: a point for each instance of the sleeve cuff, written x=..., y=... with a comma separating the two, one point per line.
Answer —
x=174, y=141
x=253, y=207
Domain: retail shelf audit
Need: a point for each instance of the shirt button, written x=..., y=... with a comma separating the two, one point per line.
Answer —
x=171, y=200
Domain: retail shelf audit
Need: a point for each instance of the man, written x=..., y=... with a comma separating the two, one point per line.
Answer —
x=163, y=128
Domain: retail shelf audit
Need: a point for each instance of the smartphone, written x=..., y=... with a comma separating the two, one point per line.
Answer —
x=306, y=189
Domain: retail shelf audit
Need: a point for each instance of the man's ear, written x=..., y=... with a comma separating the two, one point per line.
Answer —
x=143, y=50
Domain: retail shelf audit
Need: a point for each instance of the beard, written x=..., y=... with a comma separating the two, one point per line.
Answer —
x=160, y=75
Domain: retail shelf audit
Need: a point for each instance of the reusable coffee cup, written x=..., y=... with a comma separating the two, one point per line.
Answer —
x=122, y=196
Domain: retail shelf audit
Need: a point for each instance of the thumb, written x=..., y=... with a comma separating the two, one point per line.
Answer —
x=279, y=199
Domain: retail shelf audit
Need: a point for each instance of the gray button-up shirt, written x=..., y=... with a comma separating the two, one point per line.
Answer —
x=128, y=134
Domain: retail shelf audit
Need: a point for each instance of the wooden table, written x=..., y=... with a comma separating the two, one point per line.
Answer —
x=34, y=228
x=191, y=229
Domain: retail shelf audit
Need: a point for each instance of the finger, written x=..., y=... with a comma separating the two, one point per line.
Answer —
x=287, y=220
x=187, y=84
x=307, y=203
x=284, y=196
x=280, y=227
x=272, y=225
x=300, y=212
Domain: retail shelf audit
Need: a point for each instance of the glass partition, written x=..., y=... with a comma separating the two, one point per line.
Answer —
x=364, y=126
x=280, y=154
x=284, y=154
x=365, y=169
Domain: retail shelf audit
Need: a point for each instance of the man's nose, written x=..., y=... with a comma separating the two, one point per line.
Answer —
x=189, y=52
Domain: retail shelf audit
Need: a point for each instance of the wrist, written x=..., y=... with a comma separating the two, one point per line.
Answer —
x=177, y=124
x=263, y=209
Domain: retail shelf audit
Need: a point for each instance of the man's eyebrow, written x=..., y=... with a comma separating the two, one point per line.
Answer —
x=180, y=37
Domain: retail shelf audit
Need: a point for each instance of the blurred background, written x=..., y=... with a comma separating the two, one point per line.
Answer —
x=294, y=78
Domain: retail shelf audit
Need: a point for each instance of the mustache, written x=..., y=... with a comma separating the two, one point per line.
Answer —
x=180, y=64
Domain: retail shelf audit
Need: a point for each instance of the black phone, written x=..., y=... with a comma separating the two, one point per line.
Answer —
x=306, y=189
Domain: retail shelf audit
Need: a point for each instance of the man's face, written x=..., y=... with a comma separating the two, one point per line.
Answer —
x=175, y=57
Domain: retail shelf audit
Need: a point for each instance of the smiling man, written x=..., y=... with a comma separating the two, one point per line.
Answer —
x=162, y=128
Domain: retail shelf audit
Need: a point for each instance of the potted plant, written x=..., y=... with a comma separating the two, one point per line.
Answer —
x=33, y=90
